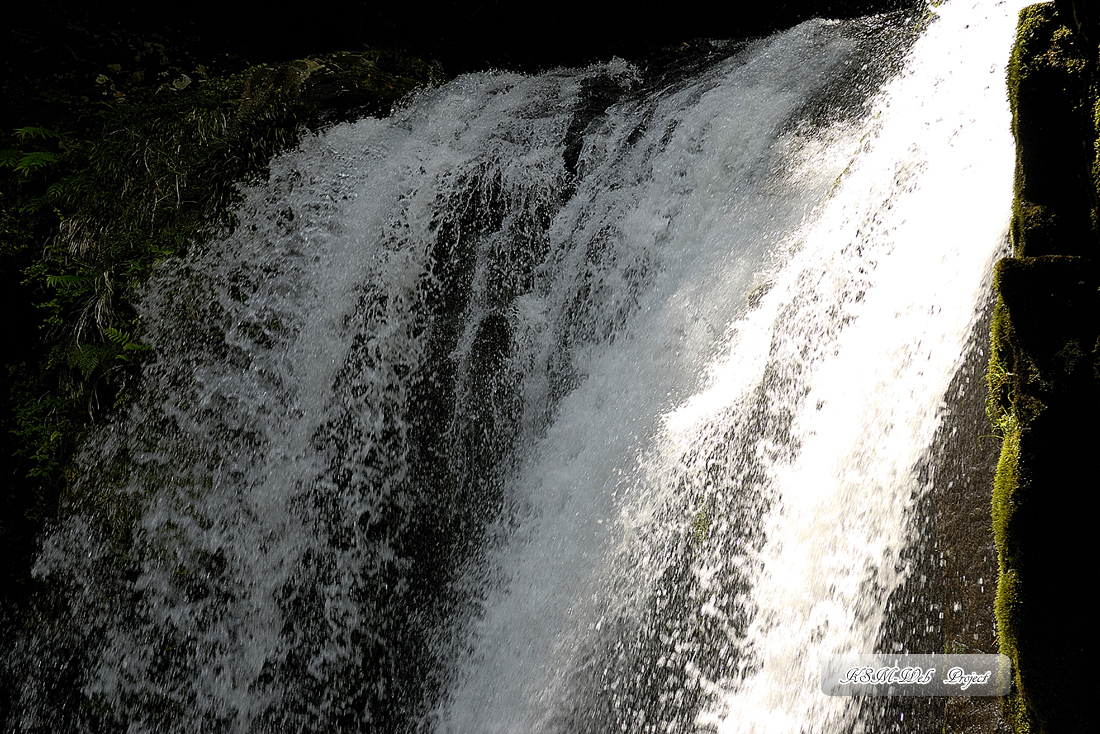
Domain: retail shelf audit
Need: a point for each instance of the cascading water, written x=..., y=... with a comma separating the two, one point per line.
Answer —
x=579, y=402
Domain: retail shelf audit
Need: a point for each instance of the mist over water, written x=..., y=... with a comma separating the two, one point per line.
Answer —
x=580, y=402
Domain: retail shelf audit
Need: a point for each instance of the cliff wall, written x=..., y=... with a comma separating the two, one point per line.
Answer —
x=1044, y=373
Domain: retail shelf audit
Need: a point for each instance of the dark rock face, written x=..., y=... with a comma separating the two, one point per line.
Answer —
x=1082, y=14
x=1044, y=374
x=1054, y=302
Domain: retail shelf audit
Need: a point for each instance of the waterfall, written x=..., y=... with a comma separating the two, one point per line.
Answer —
x=584, y=401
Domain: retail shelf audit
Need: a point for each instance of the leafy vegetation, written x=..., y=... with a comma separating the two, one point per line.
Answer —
x=93, y=199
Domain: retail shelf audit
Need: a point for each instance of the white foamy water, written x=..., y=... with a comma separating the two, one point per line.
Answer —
x=470, y=426
x=850, y=352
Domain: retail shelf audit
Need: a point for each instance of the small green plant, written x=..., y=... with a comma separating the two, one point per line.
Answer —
x=701, y=525
x=29, y=162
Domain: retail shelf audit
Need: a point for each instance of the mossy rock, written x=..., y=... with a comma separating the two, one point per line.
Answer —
x=1082, y=16
x=1043, y=602
x=338, y=86
x=1055, y=207
x=1054, y=309
x=1044, y=373
x=1046, y=339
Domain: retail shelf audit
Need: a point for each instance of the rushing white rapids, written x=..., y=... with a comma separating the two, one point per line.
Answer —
x=562, y=403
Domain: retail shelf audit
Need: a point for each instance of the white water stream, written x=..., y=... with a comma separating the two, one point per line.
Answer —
x=562, y=403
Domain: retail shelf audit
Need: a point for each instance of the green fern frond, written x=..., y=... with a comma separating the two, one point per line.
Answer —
x=68, y=281
x=57, y=191
x=31, y=162
x=88, y=358
x=124, y=340
x=32, y=132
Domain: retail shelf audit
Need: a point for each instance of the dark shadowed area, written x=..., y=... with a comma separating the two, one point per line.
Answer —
x=463, y=36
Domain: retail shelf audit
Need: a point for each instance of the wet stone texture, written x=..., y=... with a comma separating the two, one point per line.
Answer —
x=946, y=602
x=964, y=534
